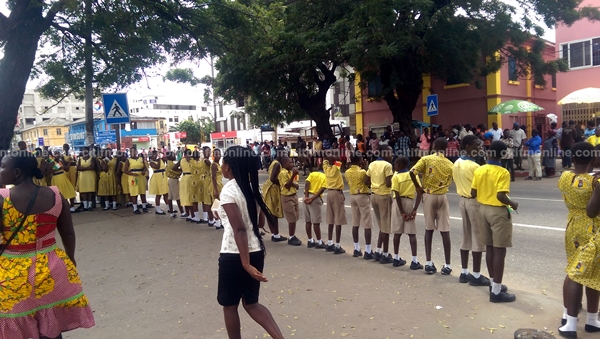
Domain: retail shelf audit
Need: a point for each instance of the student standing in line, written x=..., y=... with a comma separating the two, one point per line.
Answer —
x=289, y=200
x=360, y=203
x=217, y=181
x=159, y=183
x=122, y=181
x=173, y=176
x=61, y=180
x=134, y=169
x=404, y=211
x=336, y=214
x=491, y=185
x=86, y=179
x=271, y=191
x=437, y=177
x=207, y=187
x=186, y=189
x=379, y=177
x=242, y=257
x=316, y=183
x=107, y=185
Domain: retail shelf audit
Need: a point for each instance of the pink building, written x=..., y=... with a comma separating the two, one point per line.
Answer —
x=580, y=46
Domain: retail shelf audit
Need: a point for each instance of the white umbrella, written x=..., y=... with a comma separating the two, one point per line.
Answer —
x=583, y=96
x=552, y=117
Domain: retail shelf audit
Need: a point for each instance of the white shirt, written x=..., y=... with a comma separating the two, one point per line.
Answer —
x=232, y=194
x=518, y=136
x=496, y=133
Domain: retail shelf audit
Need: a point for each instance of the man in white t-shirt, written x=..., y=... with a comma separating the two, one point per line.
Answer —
x=496, y=132
x=519, y=137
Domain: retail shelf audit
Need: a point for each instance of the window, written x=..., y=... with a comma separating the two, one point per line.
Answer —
x=582, y=53
x=204, y=109
x=176, y=107
x=58, y=131
x=176, y=119
x=170, y=119
x=240, y=102
x=45, y=119
x=455, y=79
x=512, y=69
x=375, y=88
x=29, y=121
x=162, y=124
x=45, y=131
x=134, y=125
x=77, y=108
x=553, y=80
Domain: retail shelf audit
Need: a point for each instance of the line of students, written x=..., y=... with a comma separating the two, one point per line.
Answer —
x=389, y=195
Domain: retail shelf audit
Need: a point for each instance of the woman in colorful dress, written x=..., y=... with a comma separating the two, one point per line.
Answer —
x=581, y=193
x=61, y=180
x=159, y=184
x=86, y=178
x=207, y=187
x=134, y=169
x=217, y=181
x=41, y=164
x=42, y=295
x=107, y=185
x=271, y=192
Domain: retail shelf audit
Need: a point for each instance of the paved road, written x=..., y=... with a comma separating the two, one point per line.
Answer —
x=148, y=276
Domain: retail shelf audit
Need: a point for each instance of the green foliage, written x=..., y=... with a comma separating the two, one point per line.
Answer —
x=197, y=131
x=182, y=75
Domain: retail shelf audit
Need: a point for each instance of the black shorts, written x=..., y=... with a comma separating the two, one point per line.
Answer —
x=235, y=283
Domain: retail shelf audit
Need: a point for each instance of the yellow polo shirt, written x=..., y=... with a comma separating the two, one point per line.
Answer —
x=488, y=181
x=436, y=171
x=334, y=176
x=171, y=174
x=594, y=140
x=284, y=176
x=317, y=181
x=462, y=173
x=355, y=177
x=403, y=185
x=378, y=171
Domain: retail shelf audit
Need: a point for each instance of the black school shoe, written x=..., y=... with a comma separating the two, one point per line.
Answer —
x=310, y=244
x=430, y=269
x=339, y=250
x=368, y=256
x=280, y=239
x=377, y=256
x=294, y=241
x=330, y=248
x=145, y=210
x=568, y=334
x=321, y=246
x=357, y=254
x=137, y=212
x=481, y=281
x=398, y=263
x=591, y=329
x=502, y=297
x=416, y=266
x=386, y=259
x=503, y=288
x=464, y=278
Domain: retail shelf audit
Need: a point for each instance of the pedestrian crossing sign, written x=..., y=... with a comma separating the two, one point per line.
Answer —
x=432, y=105
x=116, y=108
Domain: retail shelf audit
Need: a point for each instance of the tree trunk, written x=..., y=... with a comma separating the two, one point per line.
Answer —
x=15, y=67
x=321, y=119
x=89, y=76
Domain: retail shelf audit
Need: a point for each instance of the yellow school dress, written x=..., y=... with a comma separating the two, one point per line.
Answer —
x=86, y=180
x=196, y=187
x=107, y=185
x=219, y=179
x=272, y=194
x=124, y=180
x=40, y=182
x=206, y=182
x=185, y=193
x=137, y=185
x=61, y=180
x=159, y=183
x=72, y=173
x=582, y=239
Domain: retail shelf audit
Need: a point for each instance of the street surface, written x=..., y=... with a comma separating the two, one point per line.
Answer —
x=148, y=276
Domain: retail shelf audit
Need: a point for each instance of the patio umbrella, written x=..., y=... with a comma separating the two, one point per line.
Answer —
x=583, y=96
x=515, y=106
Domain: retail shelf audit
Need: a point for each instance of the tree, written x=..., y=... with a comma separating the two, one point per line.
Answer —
x=191, y=128
x=400, y=41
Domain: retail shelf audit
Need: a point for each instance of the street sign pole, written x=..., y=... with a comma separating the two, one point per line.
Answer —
x=118, y=132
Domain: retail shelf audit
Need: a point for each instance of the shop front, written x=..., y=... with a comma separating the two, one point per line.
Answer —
x=224, y=140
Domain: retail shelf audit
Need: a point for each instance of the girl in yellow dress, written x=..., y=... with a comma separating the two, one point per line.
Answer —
x=217, y=180
x=271, y=191
x=159, y=184
x=196, y=186
x=581, y=193
x=42, y=164
x=123, y=186
x=107, y=185
x=207, y=187
x=134, y=169
x=68, y=158
x=61, y=180
x=185, y=193
x=86, y=179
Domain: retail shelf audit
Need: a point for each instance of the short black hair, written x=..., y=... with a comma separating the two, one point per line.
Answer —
x=535, y=132
x=355, y=157
x=583, y=153
x=468, y=140
x=497, y=149
x=402, y=161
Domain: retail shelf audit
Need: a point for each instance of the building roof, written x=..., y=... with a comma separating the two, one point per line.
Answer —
x=54, y=122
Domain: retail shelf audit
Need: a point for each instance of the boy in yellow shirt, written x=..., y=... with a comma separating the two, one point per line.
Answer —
x=404, y=211
x=316, y=183
x=289, y=200
x=360, y=203
x=336, y=214
x=491, y=185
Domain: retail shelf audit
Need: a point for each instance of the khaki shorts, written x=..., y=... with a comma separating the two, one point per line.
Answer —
x=399, y=225
x=336, y=213
x=313, y=211
x=362, y=214
x=173, y=189
x=496, y=226
x=437, y=212
x=469, y=210
x=382, y=207
x=291, y=210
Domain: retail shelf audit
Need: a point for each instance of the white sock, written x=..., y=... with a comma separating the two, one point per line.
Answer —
x=311, y=240
x=564, y=313
x=385, y=254
x=496, y=288
x=114, y=203
x=72, y=209
x=396, y=257
x=218, y=223
x=465, y=271
x=476, y=275
x=337, y=245
x=414, y=259
x=276, y=236
x=571, y=324
x=380, y=250
x=134, y=207
x=320, y=242
x=106, y=203
x=429, y=263
x=212, y=221
x=144, y=205
x=204, y=215
x=158, y=209
x=356, y=246
x=368, y=248
x=329, y=242
x=592, y=319
x=448, y=265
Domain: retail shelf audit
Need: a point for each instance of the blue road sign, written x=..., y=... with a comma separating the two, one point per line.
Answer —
x=40, y=141
x=116, y=108
x=106, y=137
x=432, y=105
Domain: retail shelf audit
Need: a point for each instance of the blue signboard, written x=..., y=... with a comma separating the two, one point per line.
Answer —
x=432, y=105
x=116, y=108
x=40, y=141
x=106, y=137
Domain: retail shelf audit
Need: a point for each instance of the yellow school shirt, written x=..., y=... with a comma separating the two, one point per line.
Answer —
x=594, y=140
x=402, y=184
x=334, y=176
x=378, y=171
x=462, y=173
x=355, y=177
x=488, y=181
x=317, y=181
x=172, y=174
x=436, y=171
x=284, y=176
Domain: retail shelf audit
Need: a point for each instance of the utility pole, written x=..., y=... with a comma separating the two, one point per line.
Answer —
x=89, y=76
x=212, y=74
